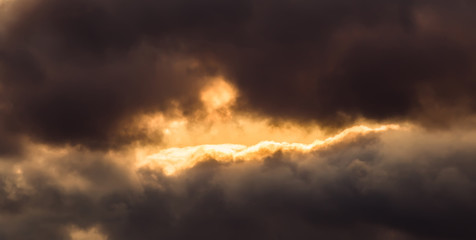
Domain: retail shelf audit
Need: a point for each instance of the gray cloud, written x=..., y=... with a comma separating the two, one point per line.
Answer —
x=393, y=185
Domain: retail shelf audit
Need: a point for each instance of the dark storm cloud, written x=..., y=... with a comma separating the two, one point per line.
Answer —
x=335, y=62
x=363, y=187
x=76, y=72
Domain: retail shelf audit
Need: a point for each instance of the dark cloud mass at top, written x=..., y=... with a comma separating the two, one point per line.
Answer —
x=75, y=72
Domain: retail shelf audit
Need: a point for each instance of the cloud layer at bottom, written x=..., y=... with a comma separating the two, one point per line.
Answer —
x=394, y=184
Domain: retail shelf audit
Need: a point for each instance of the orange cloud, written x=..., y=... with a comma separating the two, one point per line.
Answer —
x=176, y=159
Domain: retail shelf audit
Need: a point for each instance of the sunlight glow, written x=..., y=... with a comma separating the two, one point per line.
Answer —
x=172, y=160
x=89, y=234
x=218, y=94
x=187, y=140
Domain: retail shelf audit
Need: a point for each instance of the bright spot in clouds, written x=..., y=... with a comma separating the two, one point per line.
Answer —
x=225, y=135
x=218, y=94
x=175, y=159
x=88, y=234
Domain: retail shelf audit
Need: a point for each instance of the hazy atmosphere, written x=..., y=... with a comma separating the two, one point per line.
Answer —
x=237, y=119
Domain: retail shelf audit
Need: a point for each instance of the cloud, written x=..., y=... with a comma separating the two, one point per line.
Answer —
x=396, y=184
x=77, y=73
x=336, y=62
x=85, y=85
x=176, y=159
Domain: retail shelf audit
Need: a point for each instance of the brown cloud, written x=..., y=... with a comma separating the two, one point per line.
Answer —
x=77, y=72
x=76, y=77
x=399, y=183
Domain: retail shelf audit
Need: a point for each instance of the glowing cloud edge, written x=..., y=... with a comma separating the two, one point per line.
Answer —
x=172, y=160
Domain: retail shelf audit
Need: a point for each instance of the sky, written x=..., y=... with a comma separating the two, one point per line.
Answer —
x=237, y=119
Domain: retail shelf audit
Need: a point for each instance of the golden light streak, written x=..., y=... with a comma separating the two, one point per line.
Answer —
x=176, y=159
x=187, y=142
x=217, y=123
x=180, y=131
